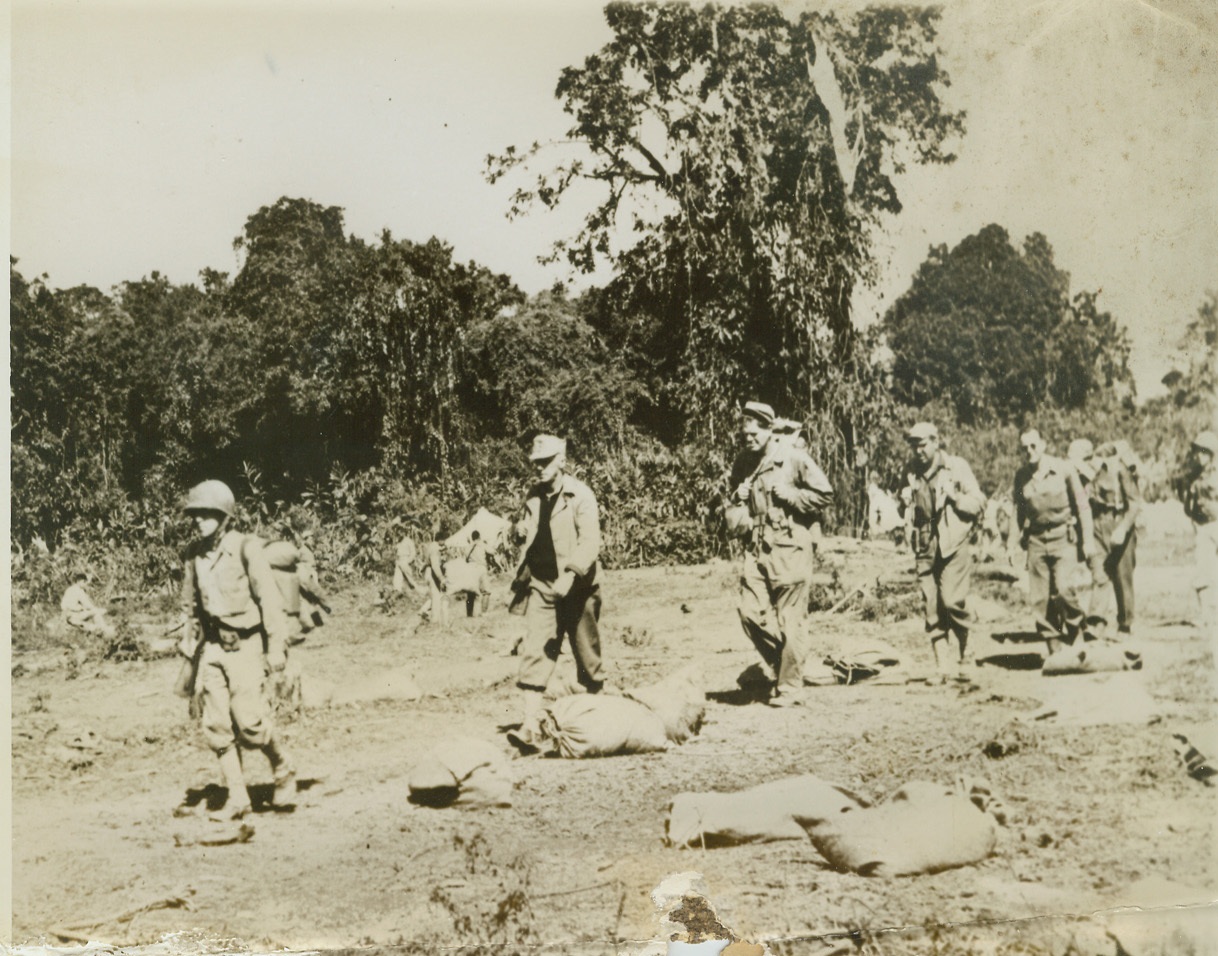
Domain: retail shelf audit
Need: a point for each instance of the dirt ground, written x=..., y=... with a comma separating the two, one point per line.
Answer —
x=1103, y=814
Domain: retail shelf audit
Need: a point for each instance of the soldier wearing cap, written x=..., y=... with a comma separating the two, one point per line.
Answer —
x=556, y=581
x=1054, y=520
x=945, y=504
x=1201, y=505
x=229, y=592
x=1115, y=503
x=785, y=492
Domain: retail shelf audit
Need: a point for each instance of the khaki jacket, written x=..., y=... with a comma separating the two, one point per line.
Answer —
x=575, y=526
x=1050, y=502
x=785, y=518
x=955, y=501
x=233, y=588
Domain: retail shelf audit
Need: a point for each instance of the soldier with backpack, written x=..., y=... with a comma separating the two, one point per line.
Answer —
x=239, y=634
x=945, y=503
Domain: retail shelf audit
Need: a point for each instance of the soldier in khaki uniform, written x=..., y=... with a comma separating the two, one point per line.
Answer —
x=229, y=592
x=556, y=581
x=785, y=492
x=1115, y=503
x=1054, y=521
x=945, y=501
x=80, y=611
x=1201, y=505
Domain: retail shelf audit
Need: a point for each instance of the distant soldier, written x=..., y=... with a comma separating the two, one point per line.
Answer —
x=946, y=502
x=312, y=599
x=405, y=556
x=556, y=582
x=785, y=492
x=1201, y=505
x=230, y=594
x=1115, y=503
x=476, y=558
x=1005, y=522
x=79, y=609
x=435, y=608
x=1054, y=521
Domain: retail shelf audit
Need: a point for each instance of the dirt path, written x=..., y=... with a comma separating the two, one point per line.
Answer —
x=1099, y=800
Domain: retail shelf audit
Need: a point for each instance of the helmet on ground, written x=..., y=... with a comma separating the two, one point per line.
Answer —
x=211, y=495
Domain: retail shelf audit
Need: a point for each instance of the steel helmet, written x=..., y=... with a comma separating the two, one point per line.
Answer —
x=211, y=495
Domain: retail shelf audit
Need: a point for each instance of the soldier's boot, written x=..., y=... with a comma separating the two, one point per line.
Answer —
x=486, y=601
x=527, y=738
x=962, y=642
x=238, y=803
x=284, y=773
x=944, y=664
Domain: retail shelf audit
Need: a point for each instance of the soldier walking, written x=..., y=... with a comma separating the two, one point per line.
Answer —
x=785, y=492
x=556, y=584
x=1115, y=502
x=945, y=501
x=239, y=632
x=1054, y=521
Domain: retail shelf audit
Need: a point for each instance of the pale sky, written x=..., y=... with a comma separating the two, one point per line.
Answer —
x=144, y=134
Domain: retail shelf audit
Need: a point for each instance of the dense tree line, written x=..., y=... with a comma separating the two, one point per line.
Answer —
x=752, y=156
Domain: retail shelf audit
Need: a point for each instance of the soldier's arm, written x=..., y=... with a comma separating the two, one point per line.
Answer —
x=587, y=535
x=810, y=492
x=967, y=498
x=265, y=592
x=1082, y=509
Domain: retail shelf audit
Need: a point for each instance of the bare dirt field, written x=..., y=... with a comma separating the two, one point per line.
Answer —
x=1103, y=814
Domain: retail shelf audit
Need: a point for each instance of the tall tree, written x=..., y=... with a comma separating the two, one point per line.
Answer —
x=543, y=368
x=292, y=290
x=994, y=331
x=1194, y=380
x=748, y=156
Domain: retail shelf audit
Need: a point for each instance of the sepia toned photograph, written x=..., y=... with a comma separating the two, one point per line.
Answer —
x=555, y=476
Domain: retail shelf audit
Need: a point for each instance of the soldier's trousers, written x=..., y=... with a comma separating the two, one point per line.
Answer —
x=774, y=614
x=1112, y=571
x=549, y=619
x=945, y=583
x=235, y=706
x=1056, y=583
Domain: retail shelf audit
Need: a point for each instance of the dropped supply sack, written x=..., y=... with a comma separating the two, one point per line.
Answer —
x=920, y=828
x=601, y=725
x=678, y=701
x=1090, y=659
x=461, y=771
x=761, y=814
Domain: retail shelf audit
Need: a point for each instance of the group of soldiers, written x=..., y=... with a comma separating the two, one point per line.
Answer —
x=1075, y=517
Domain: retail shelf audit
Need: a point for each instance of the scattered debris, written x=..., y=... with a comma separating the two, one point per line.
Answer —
x=1195, y=763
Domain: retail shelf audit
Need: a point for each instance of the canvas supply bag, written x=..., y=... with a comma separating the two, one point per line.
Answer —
x=762, y=814
x=602, y=725
x=1090, y=658
x=678, y=701
x=464, y=772
x=921, y=828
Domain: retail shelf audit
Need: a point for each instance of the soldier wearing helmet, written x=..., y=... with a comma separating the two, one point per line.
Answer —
x=1201, y=505
x=230, y=593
